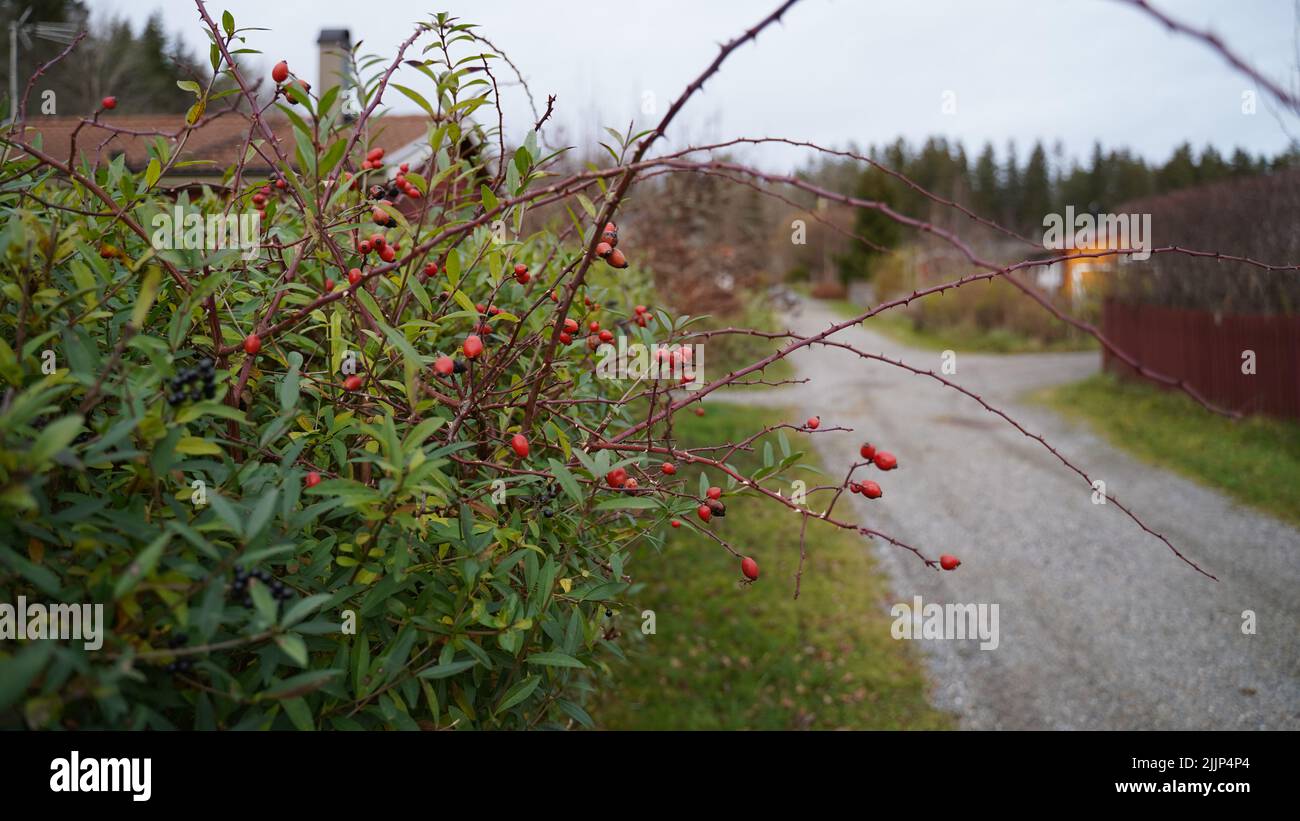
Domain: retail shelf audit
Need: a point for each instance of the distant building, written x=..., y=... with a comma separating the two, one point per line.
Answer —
x=213, y=146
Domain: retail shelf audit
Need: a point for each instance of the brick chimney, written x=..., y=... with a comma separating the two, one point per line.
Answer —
x=334, y=46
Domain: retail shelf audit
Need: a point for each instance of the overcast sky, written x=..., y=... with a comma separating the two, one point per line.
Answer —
x=838, y=71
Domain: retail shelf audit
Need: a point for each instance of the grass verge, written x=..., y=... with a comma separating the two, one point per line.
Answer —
x=1256, y=460
x=899, y=327
x=731, y=657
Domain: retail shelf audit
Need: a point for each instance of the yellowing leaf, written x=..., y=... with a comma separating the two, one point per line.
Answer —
x=195, y=446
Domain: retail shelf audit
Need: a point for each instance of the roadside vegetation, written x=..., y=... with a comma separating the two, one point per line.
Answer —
x=756, y=658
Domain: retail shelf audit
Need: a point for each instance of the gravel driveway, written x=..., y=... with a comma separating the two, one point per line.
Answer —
x=1101, y=627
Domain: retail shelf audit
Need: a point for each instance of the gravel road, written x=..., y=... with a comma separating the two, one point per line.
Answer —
x=1101, y=627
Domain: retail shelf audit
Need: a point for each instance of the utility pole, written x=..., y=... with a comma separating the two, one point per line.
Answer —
x=15, y=27
x=55, y=32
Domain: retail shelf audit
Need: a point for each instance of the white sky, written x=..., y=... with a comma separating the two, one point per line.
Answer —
x=840, y=70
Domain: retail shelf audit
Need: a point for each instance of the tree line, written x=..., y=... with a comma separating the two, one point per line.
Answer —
x=1018, y=193
x=139, y=67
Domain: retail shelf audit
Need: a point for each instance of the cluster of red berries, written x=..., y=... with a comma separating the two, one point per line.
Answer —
x=265, y=192
x=401, y=183
x=619, y=480
x=712, y=505
x=280, y=73
x=607, y=248
x=521, y=274
x=376, y=243
x=884, y=460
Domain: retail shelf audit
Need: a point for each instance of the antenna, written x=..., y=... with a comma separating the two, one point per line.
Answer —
x=20, y=29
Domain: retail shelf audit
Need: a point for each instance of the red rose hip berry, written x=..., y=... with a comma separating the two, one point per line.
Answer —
x=352, y=383
x=109, y=103
x=313, y=479
x=885, y=460
x=868, y=451
x=814, y=423
x=949, y=562
x=280, y=72
x=519, y=444
x=473, y=346
x=872, y=490
x=749, y=567
x=252, y=344
x=714, y=493
x=704, y=512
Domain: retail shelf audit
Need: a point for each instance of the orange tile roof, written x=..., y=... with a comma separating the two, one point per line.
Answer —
x=215, y=145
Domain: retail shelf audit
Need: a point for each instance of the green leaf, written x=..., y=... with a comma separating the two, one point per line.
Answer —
x=152, y=173
x=263, y=601
x=289, y=387
x=55, y=437
x=628, y=503
x=521, y=690
x=553, y=659
x=303, y=608
x=299, y=713
x=446, y=670
x=567, y=481
x=141, y=566
x=300, y=684
x=575, y=712
x=144, y=300
x=294, y=647
x=44, y=578
x=601, y=592
x=17, y=671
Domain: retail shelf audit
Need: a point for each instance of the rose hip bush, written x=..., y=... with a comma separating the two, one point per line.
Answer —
x=370, y=474
x=341, y=476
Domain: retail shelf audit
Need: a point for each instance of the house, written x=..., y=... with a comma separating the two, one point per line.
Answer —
x=216, y=144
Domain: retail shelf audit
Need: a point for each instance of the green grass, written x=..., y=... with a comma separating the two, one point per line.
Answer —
x=1256, y=460
x=727, y=656
x=898, y=326
x=724, y=354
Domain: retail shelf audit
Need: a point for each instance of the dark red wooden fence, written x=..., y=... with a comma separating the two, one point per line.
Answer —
x=1205, y=349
